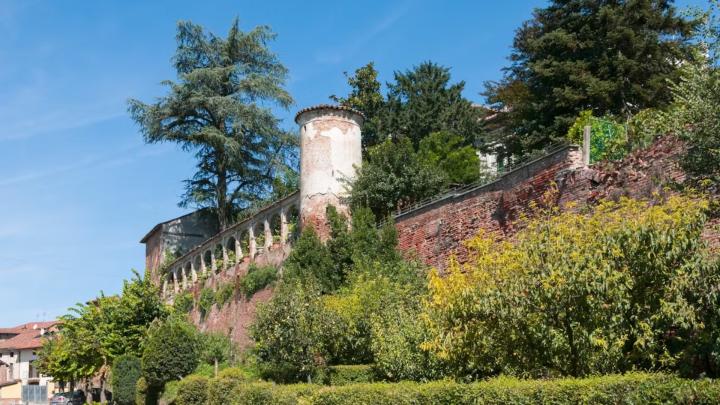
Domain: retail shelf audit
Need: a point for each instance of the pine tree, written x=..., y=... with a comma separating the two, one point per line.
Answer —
x=365, y=96
x=422, y=101
x=608, y=56
x=220, y=109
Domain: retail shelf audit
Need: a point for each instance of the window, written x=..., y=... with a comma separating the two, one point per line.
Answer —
x=12, y=354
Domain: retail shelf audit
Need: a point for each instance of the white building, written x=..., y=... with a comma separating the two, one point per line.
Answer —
x=20, y=381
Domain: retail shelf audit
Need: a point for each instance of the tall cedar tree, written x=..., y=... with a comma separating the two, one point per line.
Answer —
x=608, y=56
x=220, y=109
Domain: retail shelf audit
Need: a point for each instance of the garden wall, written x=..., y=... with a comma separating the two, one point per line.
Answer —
x=436, y=231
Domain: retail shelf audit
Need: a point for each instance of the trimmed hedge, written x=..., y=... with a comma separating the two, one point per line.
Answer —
x=192, y=390
x=270, y=393
x=349, y=374
x=220, y=389
x=633, y=388
x=126, y=371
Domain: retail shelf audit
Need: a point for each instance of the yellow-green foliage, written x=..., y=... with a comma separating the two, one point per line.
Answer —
x=609, y=139
x=631, y=388
x=192, y=390
x=220, y=389
x=574, y=294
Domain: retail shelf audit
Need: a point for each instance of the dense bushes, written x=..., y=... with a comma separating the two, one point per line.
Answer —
x=332, y=299
x=171, y=351
x=192, y=391
x=126, y=371
x=183, y=302
x=220, y=390
x=256, y=279
x=634, y=388
x=623, y=288
x=349, y=374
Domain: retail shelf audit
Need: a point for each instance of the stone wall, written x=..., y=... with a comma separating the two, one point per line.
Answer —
x=436, y=231
x=234, y=317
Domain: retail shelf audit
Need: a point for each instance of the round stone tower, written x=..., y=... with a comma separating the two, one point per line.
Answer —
x=330, y=150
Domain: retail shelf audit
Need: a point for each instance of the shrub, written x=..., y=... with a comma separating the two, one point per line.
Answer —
x=256, y=279
x=171, y=351
x=353, y=310
x=141, y=393
x=192, y=390
x=608, y=139
x=216, y=348
x=613, y=389
x=633, y=388
x=220, y=389
x=350, y=374
x=224, y=293
x=396, y=340
x=126, y=372
x=292, y=333
x=268, y=393
x=310, y=260
x=207, y=299
x=169, y=392
x=183, y=303
x=624, y=287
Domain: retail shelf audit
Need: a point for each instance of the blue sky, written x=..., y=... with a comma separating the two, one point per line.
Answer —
x=78, y=188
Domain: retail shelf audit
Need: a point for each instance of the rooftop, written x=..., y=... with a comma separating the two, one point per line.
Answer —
x=27, y=336
x=327, y=107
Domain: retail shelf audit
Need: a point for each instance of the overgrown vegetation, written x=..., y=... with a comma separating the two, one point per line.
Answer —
x=323, y=310
x=629, y=286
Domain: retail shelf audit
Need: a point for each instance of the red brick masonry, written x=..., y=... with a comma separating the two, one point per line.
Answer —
x=436, y=231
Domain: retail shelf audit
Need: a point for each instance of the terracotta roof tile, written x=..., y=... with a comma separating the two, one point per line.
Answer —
x=27, y=336
x=328, y=107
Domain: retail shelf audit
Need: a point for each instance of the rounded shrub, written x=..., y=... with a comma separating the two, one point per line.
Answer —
x=192, y=390
x=171, y=351
x=220, y=389
x=126, y=371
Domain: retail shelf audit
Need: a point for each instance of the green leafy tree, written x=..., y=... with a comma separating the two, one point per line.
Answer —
x=220, y=109
x=611, y=57
x=171, y=351
x=365, y=96
x=628, y=286
x=310, y=261
x=422, y=101
x=695, y=117
x=447, y=152
x=394, y=177
x=126, y=371
x=92, y=335
x=292, y=333
x=216, y=348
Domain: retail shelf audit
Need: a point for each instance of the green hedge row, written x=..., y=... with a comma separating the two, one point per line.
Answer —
x=634, y=388
x=344, y=375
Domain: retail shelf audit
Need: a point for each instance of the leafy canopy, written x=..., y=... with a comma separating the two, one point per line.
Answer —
x=610, y=57
x=220, y=109
x=628, y=286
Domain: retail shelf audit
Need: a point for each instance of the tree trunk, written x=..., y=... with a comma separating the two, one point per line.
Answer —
x=223, y=206
x=216, y=367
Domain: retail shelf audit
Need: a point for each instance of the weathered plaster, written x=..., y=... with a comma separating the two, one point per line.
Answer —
x=330, y=152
